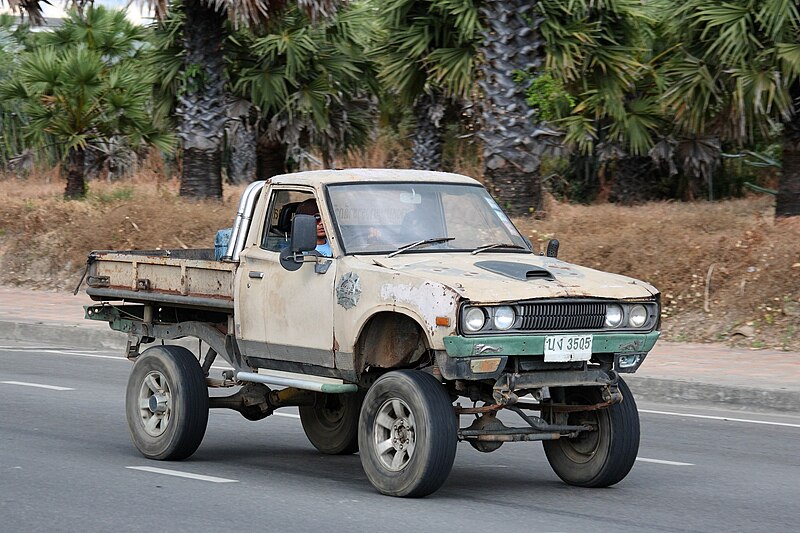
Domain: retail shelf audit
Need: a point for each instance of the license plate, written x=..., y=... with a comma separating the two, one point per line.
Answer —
x=565, y=348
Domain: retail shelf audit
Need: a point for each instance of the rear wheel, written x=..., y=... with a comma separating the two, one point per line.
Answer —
x=166, y=403
x=332, y=423
x=602, y=457
x=407, y=434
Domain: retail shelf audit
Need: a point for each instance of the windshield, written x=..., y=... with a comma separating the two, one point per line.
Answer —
x=385, y=217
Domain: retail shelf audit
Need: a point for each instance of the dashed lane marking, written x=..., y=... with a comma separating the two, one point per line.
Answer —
x=663, y=462
x=37, y=385
x=84, y=354
x=724, y=418
x=287, y=415
x=177, y=473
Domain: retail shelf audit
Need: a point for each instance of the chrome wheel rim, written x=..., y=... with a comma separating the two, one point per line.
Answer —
x=155, y=405
x=395, y=434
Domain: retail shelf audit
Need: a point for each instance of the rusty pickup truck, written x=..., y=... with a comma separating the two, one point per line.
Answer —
x=426, y=320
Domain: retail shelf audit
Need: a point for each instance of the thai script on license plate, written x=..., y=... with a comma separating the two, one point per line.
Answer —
x=564, y=348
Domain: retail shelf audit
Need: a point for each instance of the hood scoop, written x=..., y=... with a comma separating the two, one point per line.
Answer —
x=518, y=271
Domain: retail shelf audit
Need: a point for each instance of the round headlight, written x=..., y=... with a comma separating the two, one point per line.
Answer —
x=474, y=319
x=613, y=315
x=504, y=317
x=637, y=316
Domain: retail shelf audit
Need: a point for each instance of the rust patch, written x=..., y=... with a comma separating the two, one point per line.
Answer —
x=390, y=341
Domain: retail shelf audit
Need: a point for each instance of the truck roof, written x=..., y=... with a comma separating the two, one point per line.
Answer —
x=327, y=177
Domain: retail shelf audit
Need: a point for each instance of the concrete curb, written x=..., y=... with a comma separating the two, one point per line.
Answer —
x=63, y=334
x=731, y=396
x=644, y=388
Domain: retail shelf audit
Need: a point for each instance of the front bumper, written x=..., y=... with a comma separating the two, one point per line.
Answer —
x=463, y=356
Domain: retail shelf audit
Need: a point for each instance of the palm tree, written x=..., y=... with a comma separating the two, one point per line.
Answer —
x=310, y=82
x=79, y=95
x=599, y=53
x=12, y=44
x=428, y=60
x=204, y=94
x=31, y=8
x=737, y=73
x=510, y=131
x=297, y=84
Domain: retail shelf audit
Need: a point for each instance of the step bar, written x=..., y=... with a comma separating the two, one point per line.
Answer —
x=298, y=381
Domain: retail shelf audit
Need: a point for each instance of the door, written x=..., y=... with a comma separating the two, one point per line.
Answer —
x=286, y=316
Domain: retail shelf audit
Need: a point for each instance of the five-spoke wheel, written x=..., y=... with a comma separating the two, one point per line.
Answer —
x=407, y=434
x=166, y=403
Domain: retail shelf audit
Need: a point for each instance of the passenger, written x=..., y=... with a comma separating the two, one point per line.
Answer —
x=309, y=207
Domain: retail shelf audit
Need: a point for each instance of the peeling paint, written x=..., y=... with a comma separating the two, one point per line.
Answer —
x=429, y=299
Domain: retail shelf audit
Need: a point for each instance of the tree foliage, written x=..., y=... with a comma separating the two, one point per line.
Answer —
x=78, y=95
x=310, y=81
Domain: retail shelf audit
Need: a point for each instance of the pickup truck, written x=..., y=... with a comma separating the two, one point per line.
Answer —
x=431, y=299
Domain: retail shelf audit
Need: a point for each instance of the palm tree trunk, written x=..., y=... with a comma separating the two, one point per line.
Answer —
x=202, y=107
x=787, y=203
x=511, y=150
x=270, y=158
x=427, y=149
x=76, y=186
x=635, y=181
x=242, y=155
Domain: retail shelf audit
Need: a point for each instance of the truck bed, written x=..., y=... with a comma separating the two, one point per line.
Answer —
x=185, y=277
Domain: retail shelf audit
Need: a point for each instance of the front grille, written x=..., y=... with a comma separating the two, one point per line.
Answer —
x=562, y=316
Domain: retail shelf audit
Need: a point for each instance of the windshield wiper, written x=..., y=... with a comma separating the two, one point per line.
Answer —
x=485, y=247
x=412, y=245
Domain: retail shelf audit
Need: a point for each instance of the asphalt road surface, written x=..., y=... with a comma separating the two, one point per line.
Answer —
x=67, y=464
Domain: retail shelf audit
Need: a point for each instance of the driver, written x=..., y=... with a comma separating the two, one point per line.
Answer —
x=309, y=207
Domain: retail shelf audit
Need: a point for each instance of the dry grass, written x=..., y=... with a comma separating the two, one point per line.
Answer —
x=726, y=270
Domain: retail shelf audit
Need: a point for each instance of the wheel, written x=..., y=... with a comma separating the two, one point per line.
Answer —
x=597, y=458
x=332, y=424
x=166, y=403
x=407, y=434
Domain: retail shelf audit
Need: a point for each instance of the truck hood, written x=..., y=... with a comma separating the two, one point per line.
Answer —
x=500, y=277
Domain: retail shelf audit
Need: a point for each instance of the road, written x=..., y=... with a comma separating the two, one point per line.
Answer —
x=67, y=464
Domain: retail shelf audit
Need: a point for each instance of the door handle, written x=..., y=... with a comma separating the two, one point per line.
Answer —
x=256, y=275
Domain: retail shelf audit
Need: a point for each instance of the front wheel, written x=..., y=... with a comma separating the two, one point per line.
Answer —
x=407, y=434
x=166, y=403
x=602, y=457
x=332, y=423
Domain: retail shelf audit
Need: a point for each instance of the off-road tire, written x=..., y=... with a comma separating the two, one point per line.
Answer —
x=597, y=458
x=331, y=425
x=173, y=375
x=407, y=434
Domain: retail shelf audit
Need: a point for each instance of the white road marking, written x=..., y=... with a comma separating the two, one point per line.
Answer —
x=725, y=418
x=37, y=385
x=84, y=354
x=663, y=462
x=176, y=473
x=287, y=415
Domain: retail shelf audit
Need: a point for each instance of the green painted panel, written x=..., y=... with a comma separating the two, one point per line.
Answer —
x=457, y=346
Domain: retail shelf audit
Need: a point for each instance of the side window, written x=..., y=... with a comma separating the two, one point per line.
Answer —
x=278, y=226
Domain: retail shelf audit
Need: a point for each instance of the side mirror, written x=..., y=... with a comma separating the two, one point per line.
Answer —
x=552, y=248
x=304, y=239
x=304, y=233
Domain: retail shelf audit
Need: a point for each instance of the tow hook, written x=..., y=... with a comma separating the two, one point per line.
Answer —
x=503, y=391
x=611, y=394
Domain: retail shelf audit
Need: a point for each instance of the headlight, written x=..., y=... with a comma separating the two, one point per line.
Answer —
x=637, y=316
x=504, y=317
x=613, y=315
x=474, y=319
